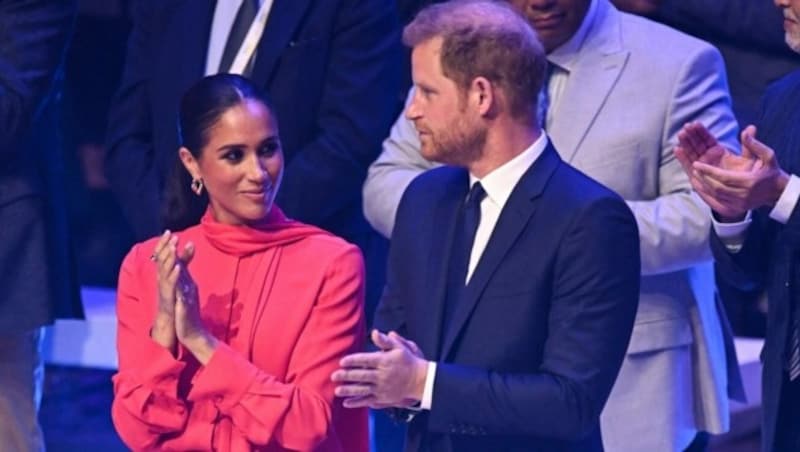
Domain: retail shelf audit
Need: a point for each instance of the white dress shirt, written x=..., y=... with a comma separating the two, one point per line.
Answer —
x=563, y=60
x=498, y=186
x=224, y=16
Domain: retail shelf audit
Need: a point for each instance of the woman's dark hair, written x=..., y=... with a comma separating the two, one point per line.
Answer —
x=201, y=107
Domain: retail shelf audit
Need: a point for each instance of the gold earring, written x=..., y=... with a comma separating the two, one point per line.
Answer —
x=197, y=186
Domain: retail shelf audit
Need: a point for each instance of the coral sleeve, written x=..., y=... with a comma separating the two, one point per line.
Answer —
x=146, y=403
x=295, y=413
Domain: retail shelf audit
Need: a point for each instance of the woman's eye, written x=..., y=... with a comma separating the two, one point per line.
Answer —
x=234, y=155
x=269, y=148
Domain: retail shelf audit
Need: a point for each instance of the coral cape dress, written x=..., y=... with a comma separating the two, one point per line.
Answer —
x=285, y=301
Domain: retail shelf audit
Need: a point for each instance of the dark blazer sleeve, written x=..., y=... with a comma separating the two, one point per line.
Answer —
x=32, y=37
x=777, y=128
x=390, y=314
x=750, y=23
x=131, y=160
x=745, y=269
x=594, y=301
x=356, y=109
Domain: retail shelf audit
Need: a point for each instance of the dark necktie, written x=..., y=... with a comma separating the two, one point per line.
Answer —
x=470, y=217
x=241, y=24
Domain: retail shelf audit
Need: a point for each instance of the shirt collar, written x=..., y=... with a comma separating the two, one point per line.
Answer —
x=499, y=183
x=565, y=55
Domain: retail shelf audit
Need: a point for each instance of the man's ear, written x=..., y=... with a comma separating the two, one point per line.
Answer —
x=189, y=162
x=483, y=95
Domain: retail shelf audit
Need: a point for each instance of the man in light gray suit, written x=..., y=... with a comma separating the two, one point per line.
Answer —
x=621, y=88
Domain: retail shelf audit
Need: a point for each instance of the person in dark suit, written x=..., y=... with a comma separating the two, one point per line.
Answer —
x=513, y=278
x=37, y=275
x=329, y=68
x=756, y=231
x=749, y=36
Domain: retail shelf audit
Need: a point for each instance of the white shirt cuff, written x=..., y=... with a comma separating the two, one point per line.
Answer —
x=786, y=203
x=427, y=393
x=732, y=234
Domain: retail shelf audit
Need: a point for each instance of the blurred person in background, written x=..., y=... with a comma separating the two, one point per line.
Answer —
x=37, y=272
x=92, y=73
x=756, y=230
x=749, y=35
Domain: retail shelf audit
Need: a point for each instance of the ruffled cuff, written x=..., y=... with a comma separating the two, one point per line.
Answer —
x=224, y=379
x=148, y=389
x=156, y=366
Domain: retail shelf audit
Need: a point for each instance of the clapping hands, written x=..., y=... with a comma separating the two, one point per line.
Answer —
x=392, y=377
x=731, y=184
x=178, y=317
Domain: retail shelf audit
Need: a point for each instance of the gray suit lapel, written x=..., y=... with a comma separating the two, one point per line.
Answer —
x=598, y=67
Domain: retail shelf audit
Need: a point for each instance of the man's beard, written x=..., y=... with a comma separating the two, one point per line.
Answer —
x=458, y=144
x=793, y=41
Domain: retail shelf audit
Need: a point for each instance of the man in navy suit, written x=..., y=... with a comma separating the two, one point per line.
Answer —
x=513, y=278
x=756, y=231
x=38, y=281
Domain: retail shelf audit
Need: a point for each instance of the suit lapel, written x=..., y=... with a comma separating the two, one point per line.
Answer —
x=284, y=18
x=444, y=226
x=515, y=216
x=598, y=66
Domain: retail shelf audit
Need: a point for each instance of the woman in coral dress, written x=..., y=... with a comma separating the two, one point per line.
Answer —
x=230, y=328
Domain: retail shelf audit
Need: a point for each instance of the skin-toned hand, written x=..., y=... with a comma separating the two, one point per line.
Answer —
x=392, y=377
x=164, y=257
x=742, y=191
x=695, y=143
x=189, y=327
x=729, y=183
x=178, y=315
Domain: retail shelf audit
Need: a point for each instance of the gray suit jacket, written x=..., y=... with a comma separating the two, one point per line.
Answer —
x=636, y=84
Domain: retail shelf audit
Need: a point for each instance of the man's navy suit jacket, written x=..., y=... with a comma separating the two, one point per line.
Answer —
x=536, y=341
x=329, y=68
x=770, y=256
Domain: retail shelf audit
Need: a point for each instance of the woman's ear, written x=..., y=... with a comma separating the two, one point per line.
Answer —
x=189, y=162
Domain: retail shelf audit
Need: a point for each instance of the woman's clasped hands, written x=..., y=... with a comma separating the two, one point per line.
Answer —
x=178, y=319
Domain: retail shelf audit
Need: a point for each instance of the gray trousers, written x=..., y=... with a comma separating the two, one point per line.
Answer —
x=21, y=381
